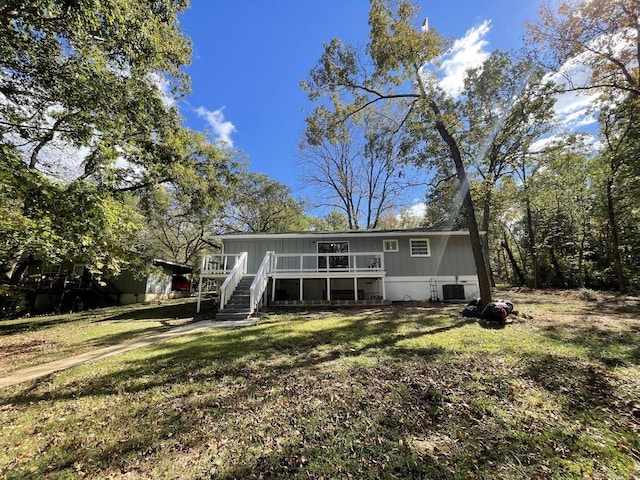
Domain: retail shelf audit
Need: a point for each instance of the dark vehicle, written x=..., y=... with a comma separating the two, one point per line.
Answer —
x=180, y=283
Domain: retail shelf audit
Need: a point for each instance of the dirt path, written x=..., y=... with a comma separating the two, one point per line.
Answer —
x=38, y=371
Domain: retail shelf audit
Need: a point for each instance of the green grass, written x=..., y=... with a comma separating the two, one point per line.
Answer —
x=416, y=392
x=31, y=341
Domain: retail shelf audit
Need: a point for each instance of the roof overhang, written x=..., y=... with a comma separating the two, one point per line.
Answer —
x=347, y=234
x=179, y=268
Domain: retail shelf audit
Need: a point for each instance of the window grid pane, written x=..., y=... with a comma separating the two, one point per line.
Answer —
x=420, y=248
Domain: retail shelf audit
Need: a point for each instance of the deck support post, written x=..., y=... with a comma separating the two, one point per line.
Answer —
x=199, y=293
x=273, y=290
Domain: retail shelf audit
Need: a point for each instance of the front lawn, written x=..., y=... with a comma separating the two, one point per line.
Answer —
x=399, y=392
x=28, y=341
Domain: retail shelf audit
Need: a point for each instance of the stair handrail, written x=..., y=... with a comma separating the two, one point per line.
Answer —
x=233, y=279
x=260, y=282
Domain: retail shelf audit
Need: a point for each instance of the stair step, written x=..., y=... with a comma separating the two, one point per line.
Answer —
x=232, y=316
x=238, y=309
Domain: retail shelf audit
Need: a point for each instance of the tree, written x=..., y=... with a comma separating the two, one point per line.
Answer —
x=87, y=120
x=508, y=107
x=599, y=37
x=260, y=204
x=594, y=46
x=334, y=220
x=181, y=215
x=357, y=167
x=87, y=75
x=619, y=132
x=398, y=55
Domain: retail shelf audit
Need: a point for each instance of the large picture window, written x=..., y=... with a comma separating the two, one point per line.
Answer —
x=420, y=247
x=335, y=261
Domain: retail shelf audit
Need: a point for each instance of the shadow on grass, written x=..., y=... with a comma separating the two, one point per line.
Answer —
x=229, y=350
x=280, y=402
x=177, y=310
x=609, y=347
x=126, y=336
x=583, y=385
x=186, y=309
x=26, y=324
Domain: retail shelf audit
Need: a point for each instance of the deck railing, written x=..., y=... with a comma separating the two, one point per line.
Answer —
x=218, y=264
x=232, y=281
x=349, y=262
x=260, y=281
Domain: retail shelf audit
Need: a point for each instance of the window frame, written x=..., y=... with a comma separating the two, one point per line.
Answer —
x=392, y=241
x=335, y=261
x=411, y=247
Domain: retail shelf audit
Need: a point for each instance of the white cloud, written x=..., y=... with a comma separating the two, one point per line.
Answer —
x=417, y=210
x=576, y=109
x=215, y=119
x=414, y=211
x=466, y=53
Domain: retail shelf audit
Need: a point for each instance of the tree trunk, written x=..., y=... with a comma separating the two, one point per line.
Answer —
x=556, y=267
x=581, y=273
x=19, y=268
x=484, y=283
x=512, y=259
x=533, y=248
x=615, y=242
x=486, y=211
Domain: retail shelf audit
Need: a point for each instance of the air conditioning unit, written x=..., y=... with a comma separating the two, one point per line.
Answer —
x=453, y=292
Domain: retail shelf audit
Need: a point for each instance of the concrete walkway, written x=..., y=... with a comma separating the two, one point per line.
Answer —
x=31, y=373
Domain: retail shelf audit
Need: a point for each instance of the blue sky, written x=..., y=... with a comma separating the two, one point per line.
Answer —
x=250, y=55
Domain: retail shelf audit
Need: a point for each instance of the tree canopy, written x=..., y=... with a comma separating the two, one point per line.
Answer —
x=88, y=119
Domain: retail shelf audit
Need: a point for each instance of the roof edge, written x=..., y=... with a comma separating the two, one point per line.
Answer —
x=347, y=233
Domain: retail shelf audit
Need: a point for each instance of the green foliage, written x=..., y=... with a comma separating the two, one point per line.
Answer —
x=181, y=216
x=88, y=96
x=51, y=221
x=88, y=75
x=604, y=36
x=587, y=294
x=260, y=204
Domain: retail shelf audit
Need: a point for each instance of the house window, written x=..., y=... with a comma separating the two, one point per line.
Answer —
x=390, y=245
x=51, y=269
x=420, y=247
x=335, y=261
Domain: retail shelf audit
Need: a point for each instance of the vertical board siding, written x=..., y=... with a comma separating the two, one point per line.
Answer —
x=450, y=255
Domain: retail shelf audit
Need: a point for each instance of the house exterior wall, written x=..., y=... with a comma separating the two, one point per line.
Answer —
x=407, y=277
x=129, y=284
x=154, y=287
x=450, y=255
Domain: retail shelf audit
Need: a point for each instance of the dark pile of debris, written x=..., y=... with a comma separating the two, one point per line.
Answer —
x=497, y=311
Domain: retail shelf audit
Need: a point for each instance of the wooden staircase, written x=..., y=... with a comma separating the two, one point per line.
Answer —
x=238, y=307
